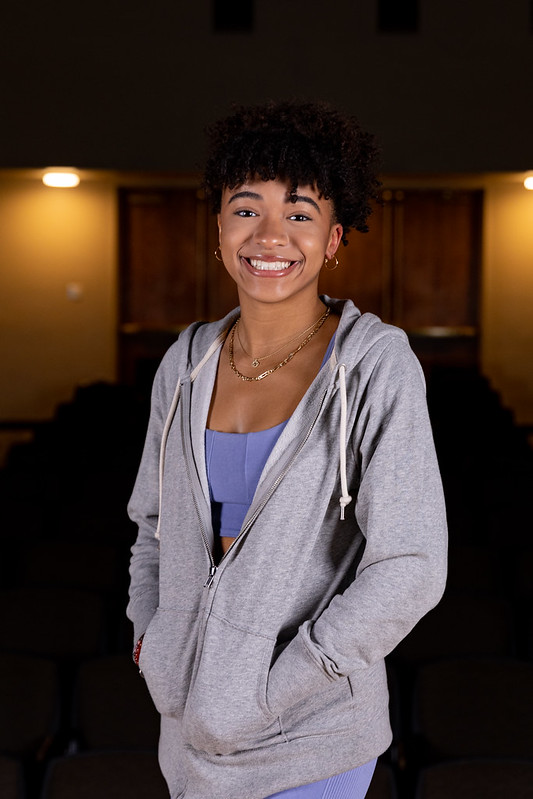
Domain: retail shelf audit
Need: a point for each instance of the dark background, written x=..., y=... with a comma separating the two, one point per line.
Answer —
x=446, y=85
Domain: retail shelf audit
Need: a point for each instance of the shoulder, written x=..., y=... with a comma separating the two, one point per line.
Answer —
x=189, y=350
x=368, y=332
x=363, y=336
x=376, y=352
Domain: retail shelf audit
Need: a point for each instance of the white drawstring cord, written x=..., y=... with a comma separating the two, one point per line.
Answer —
x=345, y=499
x=164, y=436
x=166, y=430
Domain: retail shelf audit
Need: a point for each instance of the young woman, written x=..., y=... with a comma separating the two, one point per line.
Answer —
x=291, y=520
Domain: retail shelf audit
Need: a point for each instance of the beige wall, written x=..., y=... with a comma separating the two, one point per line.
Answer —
x=50, y=238
x=507, y=321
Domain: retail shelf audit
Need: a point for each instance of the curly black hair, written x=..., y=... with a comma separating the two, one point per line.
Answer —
x=303, y=143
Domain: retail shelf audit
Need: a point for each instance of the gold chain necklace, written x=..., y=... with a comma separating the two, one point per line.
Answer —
x=256, y=361
x=286, y=360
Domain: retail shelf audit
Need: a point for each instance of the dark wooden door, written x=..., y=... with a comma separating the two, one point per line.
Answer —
x=169, y=276
x=436, y=265
x=419, y=267
x=162, y=258
x=364, y=271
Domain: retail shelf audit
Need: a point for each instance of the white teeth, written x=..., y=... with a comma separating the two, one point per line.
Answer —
x=270, y=266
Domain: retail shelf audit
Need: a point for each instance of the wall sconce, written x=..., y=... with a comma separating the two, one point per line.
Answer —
x=528, y=181
x=61, y=178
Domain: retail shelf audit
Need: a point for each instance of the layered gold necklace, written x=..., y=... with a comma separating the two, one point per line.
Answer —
x=257, y=361
x=314, y=328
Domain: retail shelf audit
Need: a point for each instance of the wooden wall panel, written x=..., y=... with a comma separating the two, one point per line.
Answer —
x=418, y=267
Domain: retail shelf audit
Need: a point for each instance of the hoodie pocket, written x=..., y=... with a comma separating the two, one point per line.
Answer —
x=167, y=656
x=226, y=709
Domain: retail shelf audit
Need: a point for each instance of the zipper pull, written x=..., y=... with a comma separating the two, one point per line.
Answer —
x=212, y=572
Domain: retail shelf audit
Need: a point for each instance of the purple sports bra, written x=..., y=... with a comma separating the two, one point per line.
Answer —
x=232, y=489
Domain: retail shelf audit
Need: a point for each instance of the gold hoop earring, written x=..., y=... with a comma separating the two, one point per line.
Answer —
x=331, y=268
x=218, y=257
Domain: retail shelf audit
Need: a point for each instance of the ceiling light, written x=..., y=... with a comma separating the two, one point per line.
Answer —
x=528, y=182
x=61, y=178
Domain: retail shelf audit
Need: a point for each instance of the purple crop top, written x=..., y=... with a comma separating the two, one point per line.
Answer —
x=232, y=489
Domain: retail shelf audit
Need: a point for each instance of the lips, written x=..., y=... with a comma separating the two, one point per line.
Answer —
x=269, y=266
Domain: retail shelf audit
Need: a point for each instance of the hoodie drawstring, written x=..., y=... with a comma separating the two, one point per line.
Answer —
x=162, y=450
x=170, y=416
x=345, y=499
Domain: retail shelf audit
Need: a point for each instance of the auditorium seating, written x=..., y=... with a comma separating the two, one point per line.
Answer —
x=106, y=775
x=75, y=714
x=470, y=779
x=12, y=784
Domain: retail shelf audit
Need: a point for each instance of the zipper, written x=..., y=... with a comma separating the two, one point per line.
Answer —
x=212, y=564
x=211, y=577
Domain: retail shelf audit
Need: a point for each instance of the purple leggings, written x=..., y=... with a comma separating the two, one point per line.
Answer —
x=350, y=785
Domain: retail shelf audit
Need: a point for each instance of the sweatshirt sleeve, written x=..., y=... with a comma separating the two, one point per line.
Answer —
x=143, y=509
x=399, y=508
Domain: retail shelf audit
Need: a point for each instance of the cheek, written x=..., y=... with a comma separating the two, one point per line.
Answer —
x=230, y=245
x=317, y=243
x=226, y=238
x=230, y=232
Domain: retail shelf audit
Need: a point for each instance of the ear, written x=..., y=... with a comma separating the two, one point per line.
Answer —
x=219, y=227
x=335, y=238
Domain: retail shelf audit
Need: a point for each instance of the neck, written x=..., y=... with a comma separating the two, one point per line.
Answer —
x=263, y=326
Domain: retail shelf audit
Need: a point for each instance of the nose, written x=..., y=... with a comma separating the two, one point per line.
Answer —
x=270, y=231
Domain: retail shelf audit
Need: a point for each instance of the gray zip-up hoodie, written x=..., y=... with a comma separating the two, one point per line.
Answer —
x=268, y=668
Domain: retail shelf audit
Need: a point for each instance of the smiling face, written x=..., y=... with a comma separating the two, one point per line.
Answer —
x=273, y=243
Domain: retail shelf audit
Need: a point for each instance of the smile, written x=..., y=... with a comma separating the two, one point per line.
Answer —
x=269, y=266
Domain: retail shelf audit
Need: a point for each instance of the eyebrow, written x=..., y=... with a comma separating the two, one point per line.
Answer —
x=291, y=198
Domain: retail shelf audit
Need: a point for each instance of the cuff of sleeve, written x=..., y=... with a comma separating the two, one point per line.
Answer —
x=294, y=676
x=137, y=651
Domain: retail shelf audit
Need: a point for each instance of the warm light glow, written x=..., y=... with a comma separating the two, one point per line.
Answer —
x=528, y=182
x=61, y=179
